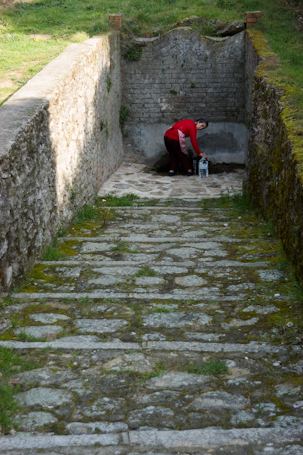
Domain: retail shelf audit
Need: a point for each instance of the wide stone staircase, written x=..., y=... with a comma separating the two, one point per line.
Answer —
x=167, y=327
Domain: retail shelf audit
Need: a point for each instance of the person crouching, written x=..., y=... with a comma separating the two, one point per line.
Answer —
x=174, y=140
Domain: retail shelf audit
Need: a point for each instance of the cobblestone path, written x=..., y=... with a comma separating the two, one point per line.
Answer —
x=168, y=331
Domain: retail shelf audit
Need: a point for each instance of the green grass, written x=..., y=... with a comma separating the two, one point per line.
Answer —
x=229, y=199
x=68, y=21
x=85, y=213
x=122, y=247
x=146, y=272
x=123, y=115
x=214, y=367
x=159, y=370
x=23, y=336
x=52, y=254
x=10, y=364
x=160, y=310
x=110, y=200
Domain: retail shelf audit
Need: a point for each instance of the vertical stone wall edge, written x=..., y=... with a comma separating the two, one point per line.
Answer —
x=60, y=140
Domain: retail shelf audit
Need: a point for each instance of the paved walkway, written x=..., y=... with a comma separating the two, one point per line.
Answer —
x=166, y=331
x=144, y=182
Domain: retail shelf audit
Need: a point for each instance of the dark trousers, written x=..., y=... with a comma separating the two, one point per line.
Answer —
x=176, y=156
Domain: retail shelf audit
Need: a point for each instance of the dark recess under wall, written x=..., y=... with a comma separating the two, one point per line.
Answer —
x=213, y=168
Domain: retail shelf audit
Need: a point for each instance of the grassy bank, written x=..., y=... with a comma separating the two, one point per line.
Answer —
x=34, y=32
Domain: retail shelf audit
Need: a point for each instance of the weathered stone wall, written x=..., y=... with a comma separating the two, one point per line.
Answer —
x=274, y=181
x=60, y=140
x=252, y=60
x=185, y=75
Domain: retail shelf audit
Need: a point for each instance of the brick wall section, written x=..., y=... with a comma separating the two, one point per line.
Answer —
x=60, y=140
x=206, y=74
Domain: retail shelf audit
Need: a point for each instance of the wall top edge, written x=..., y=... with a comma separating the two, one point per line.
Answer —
x=185, y=29
x=266, y=71
x=24, y=104
x=269, y=61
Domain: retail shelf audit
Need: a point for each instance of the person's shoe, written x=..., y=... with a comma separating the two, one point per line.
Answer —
x=171, y=174
x=189, y=174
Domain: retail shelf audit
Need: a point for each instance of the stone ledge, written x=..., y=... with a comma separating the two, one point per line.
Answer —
x=150, y=345
x=213, y=438
x=203, y=439
x=119, y=295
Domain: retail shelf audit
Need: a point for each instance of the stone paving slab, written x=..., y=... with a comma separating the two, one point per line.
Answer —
x=204, y=439
x=212, y=438
x=126, y=180
x=119, y=295
x=149, y=345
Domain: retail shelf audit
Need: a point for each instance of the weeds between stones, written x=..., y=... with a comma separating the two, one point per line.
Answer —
x=52, y=254
x=159, y=370
x=86, y=213
x=160, y=310
x=122, y=247
x=210, y=366
x=146, y=272
x=23, y=336
x=10, y=364
x=110, y=200
x=84, y=300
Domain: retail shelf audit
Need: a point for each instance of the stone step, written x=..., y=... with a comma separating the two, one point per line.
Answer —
x=201, y=243
x=202, y=262
x=82, y=344
x=166, y=208
x=202, y=439
x=95, y=294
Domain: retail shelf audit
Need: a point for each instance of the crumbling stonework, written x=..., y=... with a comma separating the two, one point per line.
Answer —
x=60, y=140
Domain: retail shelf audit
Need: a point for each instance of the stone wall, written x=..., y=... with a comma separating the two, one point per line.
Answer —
x=252, y=60
x=274, y=181
x=60, y=140
x=185, y=75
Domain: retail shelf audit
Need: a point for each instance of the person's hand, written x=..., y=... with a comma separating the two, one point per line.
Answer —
x=202, y=154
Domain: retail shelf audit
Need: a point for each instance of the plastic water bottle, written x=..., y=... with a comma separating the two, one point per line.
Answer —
x=203, y=167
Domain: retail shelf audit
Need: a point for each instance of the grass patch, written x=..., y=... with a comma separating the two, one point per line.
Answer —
x=229, y=199
x=122, y=247
x=24, y=52
x=23, y=336
x=136, y=308
x=84, y=300
x=86, y=213
x=110, y=200
x=146, y=272
x=141, y=377
x=132, y=52
x=160, y=310
x=214, y=367
x=123, y=117
x=10, y=364
x=52, y=254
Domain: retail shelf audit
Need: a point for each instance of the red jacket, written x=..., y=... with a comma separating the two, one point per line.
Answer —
x=188, y=128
